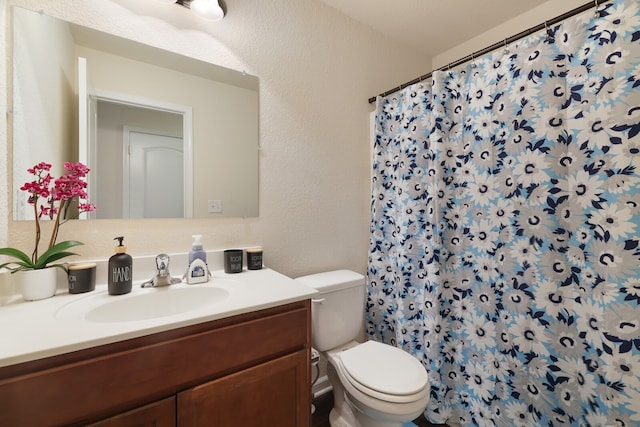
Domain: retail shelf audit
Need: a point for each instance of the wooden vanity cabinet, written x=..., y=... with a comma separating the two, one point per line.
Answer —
x=247, y=370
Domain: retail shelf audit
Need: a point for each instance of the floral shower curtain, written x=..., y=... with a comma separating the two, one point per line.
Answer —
x=504, y=249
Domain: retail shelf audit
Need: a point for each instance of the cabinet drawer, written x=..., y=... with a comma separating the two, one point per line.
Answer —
x=126, y=375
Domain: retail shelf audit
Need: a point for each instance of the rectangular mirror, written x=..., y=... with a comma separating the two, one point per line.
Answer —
x=164, y=135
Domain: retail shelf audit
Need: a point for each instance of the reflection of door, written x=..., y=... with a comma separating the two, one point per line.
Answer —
x=153, y=175
x=87, y=128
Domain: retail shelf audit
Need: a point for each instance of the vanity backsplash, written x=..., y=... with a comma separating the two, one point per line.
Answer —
x=144, y=268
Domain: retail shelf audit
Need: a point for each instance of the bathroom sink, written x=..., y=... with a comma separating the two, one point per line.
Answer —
x=142, y=305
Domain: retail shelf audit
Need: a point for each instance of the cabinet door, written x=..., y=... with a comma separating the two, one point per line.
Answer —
x=158, y=414
x=275, y=393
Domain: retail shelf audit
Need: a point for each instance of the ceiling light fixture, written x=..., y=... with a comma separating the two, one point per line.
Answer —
x=208, y=9
x=213, y=10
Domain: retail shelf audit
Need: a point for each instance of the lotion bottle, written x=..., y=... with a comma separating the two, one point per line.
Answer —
x=196, y=249
x=120, y=270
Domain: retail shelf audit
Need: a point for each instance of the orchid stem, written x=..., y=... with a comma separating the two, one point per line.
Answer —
x=56, y=225
x=34, y=255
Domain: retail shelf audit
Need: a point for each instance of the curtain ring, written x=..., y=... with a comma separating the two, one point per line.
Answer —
x=547, y=36
x=506, y=46
x=546, y=30
x=473, y=61
x=596, y=14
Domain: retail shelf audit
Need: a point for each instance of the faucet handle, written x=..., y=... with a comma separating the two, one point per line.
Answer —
x=162, y=264
x=162, y=276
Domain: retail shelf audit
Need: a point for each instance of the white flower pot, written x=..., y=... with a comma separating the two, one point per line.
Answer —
x=37, y=284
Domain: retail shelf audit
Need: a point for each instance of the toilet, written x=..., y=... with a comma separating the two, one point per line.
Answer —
x=374, y=384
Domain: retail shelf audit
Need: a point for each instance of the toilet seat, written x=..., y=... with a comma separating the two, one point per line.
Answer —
x=384, y=372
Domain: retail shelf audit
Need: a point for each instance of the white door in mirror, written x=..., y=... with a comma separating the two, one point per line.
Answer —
x=155, y=186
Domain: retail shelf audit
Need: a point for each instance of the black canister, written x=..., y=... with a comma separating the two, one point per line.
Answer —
x=233, y=261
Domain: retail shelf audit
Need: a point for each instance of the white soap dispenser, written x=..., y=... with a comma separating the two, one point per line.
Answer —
x=198, y=270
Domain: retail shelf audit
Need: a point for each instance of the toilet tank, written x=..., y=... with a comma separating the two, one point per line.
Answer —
x=337, y=311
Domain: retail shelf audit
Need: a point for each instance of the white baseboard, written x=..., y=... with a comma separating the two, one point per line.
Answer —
x=321, y=387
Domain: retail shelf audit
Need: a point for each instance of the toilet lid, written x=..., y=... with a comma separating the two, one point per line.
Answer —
x=384, y=368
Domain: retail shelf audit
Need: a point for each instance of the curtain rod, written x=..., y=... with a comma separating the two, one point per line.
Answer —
x=495, y=46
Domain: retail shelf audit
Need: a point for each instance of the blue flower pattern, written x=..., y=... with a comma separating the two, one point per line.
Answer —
x=505, y=223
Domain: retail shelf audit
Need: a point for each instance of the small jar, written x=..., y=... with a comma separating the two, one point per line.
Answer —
x=82, y=277
x=254, y=258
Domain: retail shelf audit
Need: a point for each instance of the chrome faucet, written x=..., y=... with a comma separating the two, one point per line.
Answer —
x=162, y=276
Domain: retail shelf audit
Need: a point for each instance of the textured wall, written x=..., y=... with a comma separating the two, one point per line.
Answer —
x=530, y=19
x=316, y=68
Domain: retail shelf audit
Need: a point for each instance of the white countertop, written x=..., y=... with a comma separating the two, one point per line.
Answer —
x=38, y=329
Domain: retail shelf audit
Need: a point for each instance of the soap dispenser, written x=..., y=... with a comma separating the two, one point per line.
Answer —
x=196, y=249
x=198, y=270
x=120, y=270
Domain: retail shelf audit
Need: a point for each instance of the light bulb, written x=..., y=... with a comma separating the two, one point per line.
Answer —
x=208, y=9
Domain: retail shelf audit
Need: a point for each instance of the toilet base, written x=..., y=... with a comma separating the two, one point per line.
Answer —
x=366, y=421
x=341, y=414
x=348, y=420
x=345, y=418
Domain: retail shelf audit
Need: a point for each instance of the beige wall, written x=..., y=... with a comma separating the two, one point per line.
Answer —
x=534, y=17
x=316, y=69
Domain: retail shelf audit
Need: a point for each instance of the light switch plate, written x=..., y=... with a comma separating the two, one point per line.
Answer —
x=214, y=206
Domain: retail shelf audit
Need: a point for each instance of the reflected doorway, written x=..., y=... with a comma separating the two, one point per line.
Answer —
x=116, y=122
